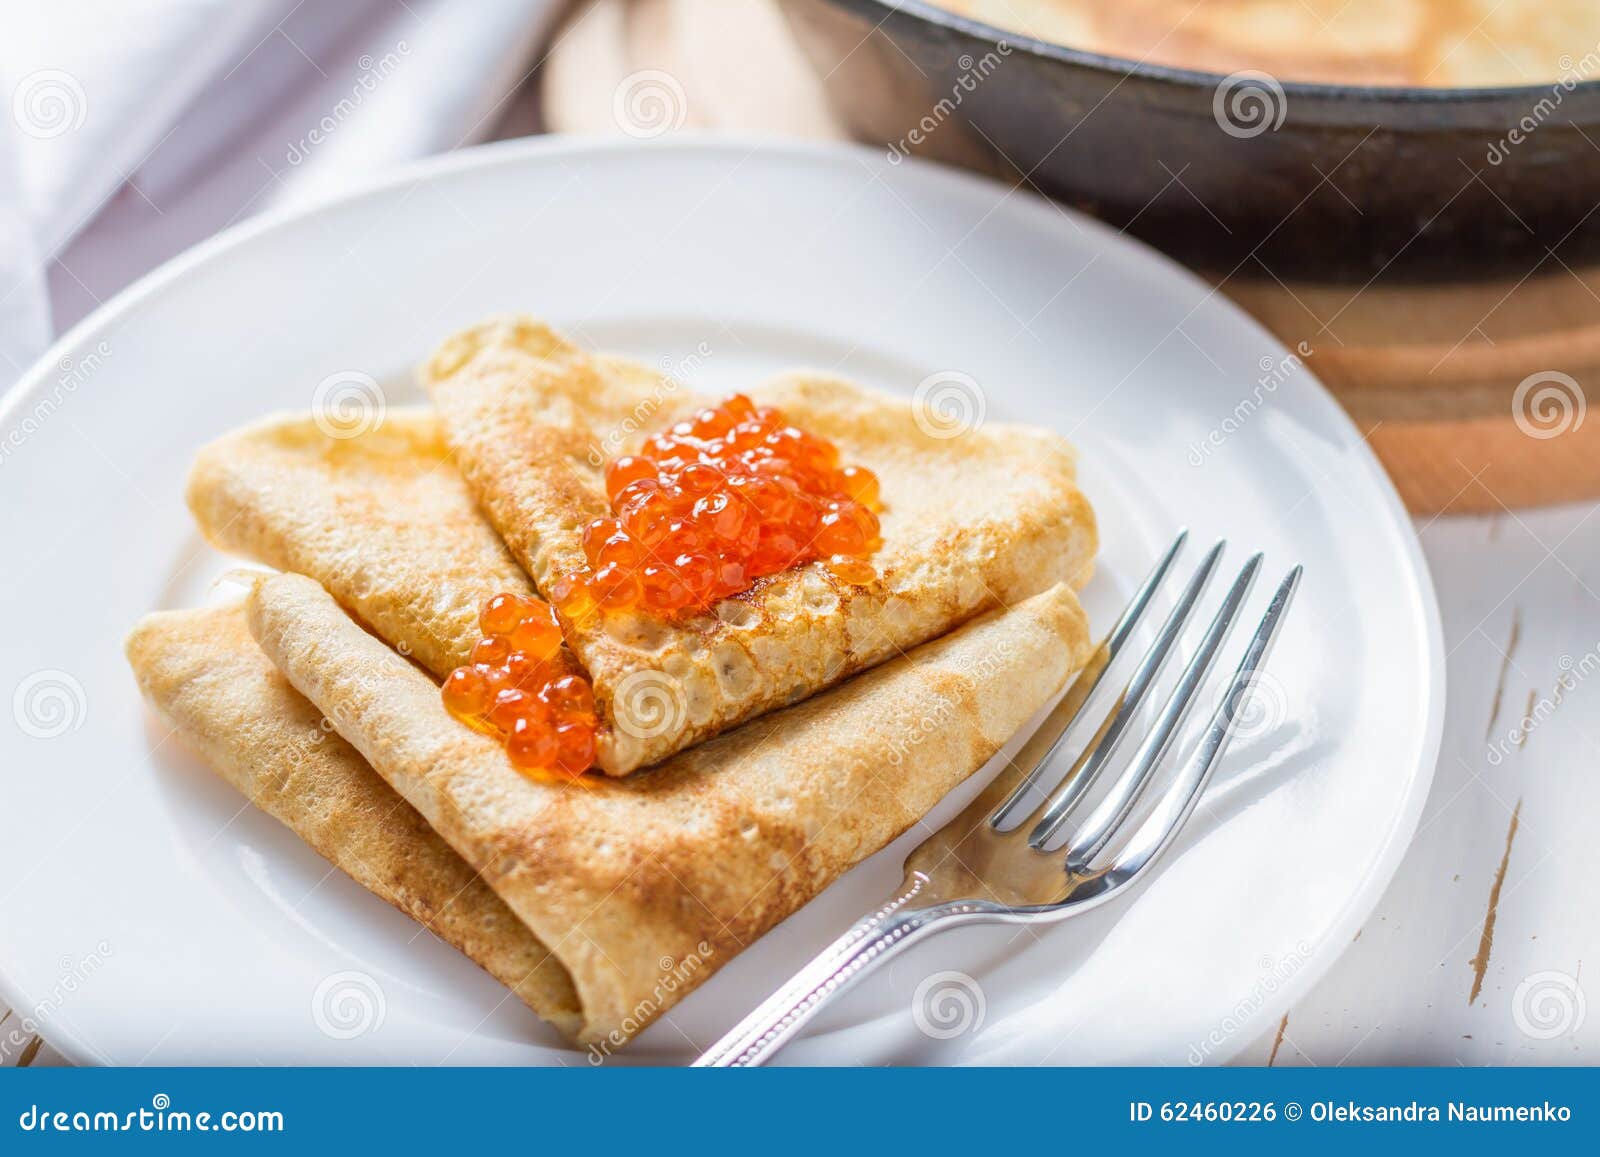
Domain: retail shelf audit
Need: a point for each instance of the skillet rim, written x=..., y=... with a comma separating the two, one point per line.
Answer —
x=1406, y=96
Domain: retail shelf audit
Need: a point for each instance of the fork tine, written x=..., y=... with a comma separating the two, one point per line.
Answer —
x=1042, y=745
x=1091, y=838
x=1066, y=796
x=1158, y=831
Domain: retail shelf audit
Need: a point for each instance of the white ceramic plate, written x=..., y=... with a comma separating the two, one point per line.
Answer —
x=147, y=915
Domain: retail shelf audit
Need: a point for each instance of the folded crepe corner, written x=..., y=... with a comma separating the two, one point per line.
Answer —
x=695, y=859
x=972, y=522
x=380, y=517
x=206, y=678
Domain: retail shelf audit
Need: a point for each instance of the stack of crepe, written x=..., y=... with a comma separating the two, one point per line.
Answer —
x=751, y=754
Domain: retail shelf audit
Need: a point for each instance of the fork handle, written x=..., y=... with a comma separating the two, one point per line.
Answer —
x=869, y=942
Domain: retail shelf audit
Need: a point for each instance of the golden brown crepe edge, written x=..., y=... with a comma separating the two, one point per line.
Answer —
x=241, y=512
x=612, y=875
x=204, y=676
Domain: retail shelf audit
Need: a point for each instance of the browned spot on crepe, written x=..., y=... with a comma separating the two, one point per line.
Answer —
x=982, y=519
x=693, y=860
x=381, y=519
x=204, y=675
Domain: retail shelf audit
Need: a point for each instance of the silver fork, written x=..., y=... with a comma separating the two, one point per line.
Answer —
x=980, y=868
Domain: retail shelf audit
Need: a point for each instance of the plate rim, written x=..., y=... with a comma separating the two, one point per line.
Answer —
x=68, y=1041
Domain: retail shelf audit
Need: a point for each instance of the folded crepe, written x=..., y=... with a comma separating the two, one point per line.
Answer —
x=642, y=887
x=380, y=518
x=207, y=679
x=973, y=521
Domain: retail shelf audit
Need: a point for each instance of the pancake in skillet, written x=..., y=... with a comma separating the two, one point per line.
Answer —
x=1426, y=43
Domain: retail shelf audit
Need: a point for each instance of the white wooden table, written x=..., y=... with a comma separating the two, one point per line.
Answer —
x=1476, y=953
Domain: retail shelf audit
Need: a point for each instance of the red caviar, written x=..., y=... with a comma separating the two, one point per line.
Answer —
x=518, y=688
x=730, y=495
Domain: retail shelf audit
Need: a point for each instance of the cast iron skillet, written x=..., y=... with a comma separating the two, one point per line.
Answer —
x=1233, y=174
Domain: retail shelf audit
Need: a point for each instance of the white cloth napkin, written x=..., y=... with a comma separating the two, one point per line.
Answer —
x=24, y=306
x=131, y=130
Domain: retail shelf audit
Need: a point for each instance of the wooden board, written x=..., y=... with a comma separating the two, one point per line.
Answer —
x=1433, y=375
x=1472, y=395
